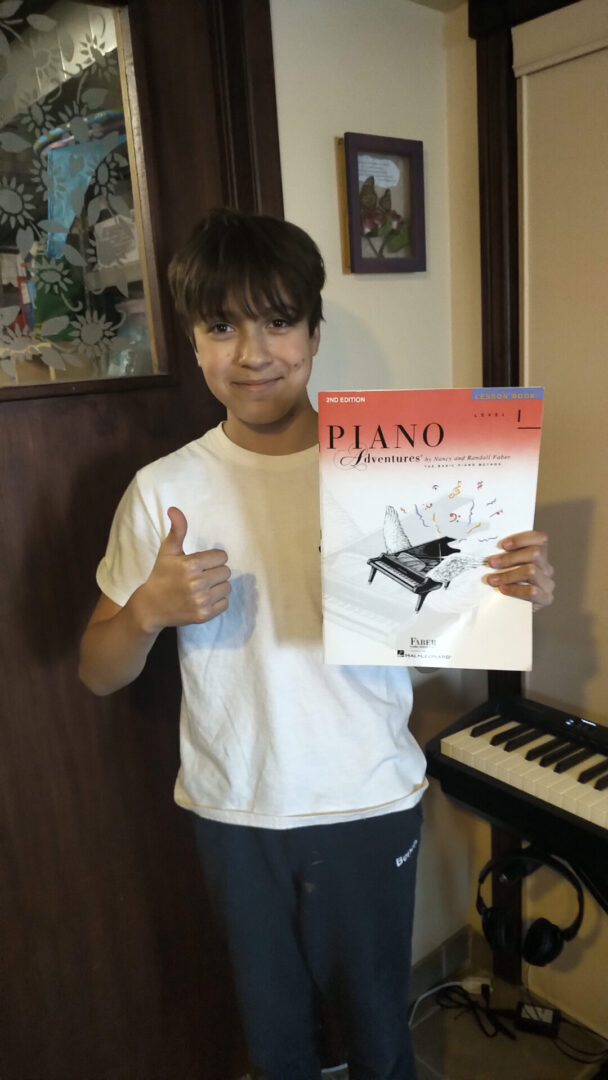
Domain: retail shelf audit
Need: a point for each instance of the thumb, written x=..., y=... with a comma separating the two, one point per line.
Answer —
x=173, y=544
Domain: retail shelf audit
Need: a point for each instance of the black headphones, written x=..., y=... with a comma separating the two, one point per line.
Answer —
x=544, y=940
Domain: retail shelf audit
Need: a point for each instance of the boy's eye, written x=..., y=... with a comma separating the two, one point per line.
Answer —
x=219, y=328
x=279, y=323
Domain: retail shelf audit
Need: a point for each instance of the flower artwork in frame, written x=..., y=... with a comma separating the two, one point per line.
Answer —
x=385, y=204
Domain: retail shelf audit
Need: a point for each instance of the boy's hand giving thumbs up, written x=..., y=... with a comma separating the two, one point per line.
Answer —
x=183, y=589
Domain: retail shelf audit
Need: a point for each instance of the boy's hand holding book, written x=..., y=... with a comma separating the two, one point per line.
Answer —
x=524, y=570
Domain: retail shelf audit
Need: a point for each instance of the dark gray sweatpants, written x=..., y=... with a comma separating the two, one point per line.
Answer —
x=323, y=908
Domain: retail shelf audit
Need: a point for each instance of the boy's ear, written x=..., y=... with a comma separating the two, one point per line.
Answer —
x=315, y=338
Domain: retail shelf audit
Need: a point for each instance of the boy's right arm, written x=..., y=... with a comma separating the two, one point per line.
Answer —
x=180, y=590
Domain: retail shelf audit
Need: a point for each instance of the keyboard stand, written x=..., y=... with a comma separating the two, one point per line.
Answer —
x=516, y=815
x=505, y=965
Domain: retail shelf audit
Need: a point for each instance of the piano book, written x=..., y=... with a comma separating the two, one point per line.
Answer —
x=417, y=488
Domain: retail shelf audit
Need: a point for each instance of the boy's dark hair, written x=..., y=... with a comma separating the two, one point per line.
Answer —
x=255, y=263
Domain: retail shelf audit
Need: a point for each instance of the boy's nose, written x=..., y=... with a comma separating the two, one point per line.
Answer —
x=251, y=346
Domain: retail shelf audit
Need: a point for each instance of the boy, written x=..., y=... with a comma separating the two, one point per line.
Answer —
x=304, y=778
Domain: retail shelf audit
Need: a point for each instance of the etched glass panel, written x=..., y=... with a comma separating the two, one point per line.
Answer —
x=73, y=303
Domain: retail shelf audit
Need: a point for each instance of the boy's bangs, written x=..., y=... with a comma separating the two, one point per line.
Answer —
x=255, y=267
x=247, y=290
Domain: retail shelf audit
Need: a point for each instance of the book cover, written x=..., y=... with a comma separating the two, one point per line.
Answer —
x=417, y=488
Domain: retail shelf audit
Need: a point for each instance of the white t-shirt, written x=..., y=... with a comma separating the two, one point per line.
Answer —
x=269, y=735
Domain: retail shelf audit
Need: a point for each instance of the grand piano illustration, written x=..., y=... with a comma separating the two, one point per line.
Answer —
x=382, y=612
x=411, y=566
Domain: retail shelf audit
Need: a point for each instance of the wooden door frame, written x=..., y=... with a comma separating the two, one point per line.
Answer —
x=490, y=25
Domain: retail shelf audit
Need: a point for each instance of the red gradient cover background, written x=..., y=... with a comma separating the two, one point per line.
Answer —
x=470, y=426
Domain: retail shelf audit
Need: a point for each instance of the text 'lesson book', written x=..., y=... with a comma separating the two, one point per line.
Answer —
x=417, y=488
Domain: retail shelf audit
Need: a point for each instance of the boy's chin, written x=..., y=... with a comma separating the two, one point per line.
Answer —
x=271, y=413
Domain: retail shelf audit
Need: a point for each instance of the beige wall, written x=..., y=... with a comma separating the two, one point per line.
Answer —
x=562, y=63
x=398, y=69
x=377, y=68
x=395, y=68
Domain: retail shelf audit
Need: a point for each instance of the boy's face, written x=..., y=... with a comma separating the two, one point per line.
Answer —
x=259, y=369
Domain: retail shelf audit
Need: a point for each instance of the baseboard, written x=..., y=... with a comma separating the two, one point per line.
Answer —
x=465, y=952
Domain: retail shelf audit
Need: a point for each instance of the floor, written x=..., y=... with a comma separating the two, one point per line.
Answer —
x=450, y=1046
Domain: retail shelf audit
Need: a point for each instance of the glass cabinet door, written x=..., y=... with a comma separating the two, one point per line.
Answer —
x=75, y=289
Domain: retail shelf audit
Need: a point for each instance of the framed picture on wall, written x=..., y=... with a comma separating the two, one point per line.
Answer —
x=385, y=204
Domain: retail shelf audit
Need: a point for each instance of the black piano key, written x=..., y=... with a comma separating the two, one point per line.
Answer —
x=602, y=783
x=593, y=772
x=502, y=736
x=521, y=740
x=556, y=755
x=574, y=759
x=488, y=725
x=545, y=747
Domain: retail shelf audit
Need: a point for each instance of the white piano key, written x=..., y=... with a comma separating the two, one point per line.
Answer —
x=463, y=747
x=566, y=796
x=543, y=782
x=516, y=765
x=595, y=809
x=554, y=782
x=563, y=787
x=491, y=761
x=451, y=743
x=600, y=812
x=481, y=753
x=591, y=802
x=579, y=794
x=464, y=736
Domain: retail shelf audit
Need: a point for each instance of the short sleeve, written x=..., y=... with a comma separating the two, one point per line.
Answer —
x=132, y=548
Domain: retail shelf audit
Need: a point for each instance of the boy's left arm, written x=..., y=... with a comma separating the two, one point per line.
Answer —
x=523, y=569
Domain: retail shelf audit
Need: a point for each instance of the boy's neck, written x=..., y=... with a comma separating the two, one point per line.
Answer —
x=290, y=435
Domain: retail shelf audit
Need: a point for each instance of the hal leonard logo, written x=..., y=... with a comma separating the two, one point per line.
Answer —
x=400, y=652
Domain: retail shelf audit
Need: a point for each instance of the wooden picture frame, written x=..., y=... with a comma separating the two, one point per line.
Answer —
x=385, y=204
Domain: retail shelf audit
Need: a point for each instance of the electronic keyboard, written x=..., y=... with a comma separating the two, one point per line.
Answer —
x=536, y=770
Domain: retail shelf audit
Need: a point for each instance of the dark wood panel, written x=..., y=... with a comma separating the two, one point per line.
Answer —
x=112, y=969
x=499, y=237
x=490, y=22
x=246, y=96
x=110, y=946
x=497, y=134
x=490, y=16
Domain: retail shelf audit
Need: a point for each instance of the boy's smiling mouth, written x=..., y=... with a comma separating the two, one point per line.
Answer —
x=251, y=385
